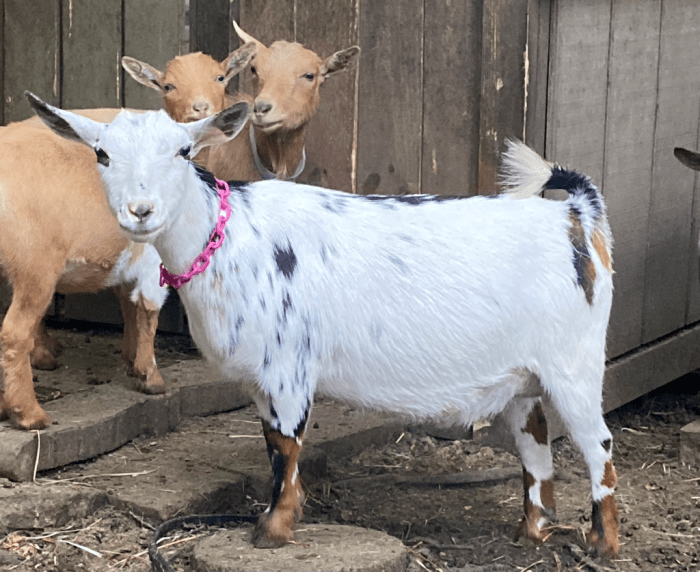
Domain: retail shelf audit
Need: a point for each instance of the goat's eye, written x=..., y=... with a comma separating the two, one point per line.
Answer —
x=102, y=157
x=184, y=152
x=253, y=70
x=310, y=76
x=168, y=87
x=220, y=78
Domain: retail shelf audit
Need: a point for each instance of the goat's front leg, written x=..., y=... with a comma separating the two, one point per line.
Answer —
x=275, y=525
x=140, y=324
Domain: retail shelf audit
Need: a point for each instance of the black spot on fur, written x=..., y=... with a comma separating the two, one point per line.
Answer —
x=207, y=178
x=279, y=467
x=263, y=305
x=266, y=360
x=607, y=444
x=302, y=424
x=400, y=264
x=273, y=412
x=279, y=339
x=255, y=230
x=597, y=518
x=286, y=305
x=285, y=259
x=583, y=265
x=239, y=323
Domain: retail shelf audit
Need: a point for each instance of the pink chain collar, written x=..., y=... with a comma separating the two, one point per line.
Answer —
x=217, y=237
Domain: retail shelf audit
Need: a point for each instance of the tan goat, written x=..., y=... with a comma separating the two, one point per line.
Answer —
x=58, y=235
x=287, y=79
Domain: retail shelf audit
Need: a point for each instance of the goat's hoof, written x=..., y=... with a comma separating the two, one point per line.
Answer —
x=29, y=422
x=42, y=358
x=152, y=388
x=271, y=532
x=607, y=546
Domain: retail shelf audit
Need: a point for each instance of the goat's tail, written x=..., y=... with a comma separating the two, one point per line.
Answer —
x=524, y=173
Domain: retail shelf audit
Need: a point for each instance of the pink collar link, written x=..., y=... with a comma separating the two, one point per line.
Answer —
x=217, y=237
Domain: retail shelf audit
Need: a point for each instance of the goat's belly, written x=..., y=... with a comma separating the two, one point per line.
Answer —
x=81, y=276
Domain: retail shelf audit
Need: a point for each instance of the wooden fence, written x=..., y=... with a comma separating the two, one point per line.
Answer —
x=606, y=86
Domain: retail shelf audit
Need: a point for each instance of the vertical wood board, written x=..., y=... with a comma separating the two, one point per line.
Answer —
x=578, y=85
x=693, y=302
x=32, y=55
x=210, y=27
x=390, y=97
x=451, y=98
x=629, y=137
x=539, y=27
x=504, y=42
x=327, y=28
x=92, y=46
x=671, y=207
x=152, y=33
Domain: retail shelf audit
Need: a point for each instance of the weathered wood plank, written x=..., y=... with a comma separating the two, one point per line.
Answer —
x=390, y=97
x=326, y=28
x=451, y=98
x=629, y=140
x=152, y=33
x=504, y=41
x=693, y=301
x=2, y=61
x=577, y=85
x=32, y=52
x=92, y=46
x=210, y=27
x=537, y=68
x=671, y=207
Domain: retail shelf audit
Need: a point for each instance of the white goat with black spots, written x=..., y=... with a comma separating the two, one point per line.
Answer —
x=430, y=307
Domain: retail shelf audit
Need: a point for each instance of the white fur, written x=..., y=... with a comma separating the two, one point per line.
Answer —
x=431, y=310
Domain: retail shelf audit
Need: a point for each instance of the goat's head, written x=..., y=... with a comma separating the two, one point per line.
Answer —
x=194, y=85
x=286, y=79
x=688, y=158
x=144, y=158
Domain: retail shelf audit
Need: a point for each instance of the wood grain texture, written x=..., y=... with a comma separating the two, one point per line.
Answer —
x=451, y=98
x=326, y=28
x=390, y=97
x=504, y=41
x=629, y=143
x=92, y=46
x=210, y=27
x=32, y=55
x=539, y=25
x=671, y=207
x=152, y=33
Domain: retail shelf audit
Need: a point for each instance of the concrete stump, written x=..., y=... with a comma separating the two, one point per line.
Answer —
x=690, y=444
x=319, y=547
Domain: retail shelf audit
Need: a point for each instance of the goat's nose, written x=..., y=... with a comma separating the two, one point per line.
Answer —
x=141, y=210
x=201, y=105
x=262, y=107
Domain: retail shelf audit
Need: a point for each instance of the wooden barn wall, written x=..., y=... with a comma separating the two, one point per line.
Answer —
x=624, y=89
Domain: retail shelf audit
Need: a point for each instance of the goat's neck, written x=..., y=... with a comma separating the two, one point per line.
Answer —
x=282, y=151
x=187, y=236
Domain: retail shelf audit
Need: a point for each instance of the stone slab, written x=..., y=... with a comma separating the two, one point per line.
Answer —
x=690, y=444
x=329, y=548
x=90, y=423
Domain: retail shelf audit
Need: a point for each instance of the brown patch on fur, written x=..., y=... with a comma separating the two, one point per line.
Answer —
x=547, y=496
x=583, y=264
x=275, y=528
x=610, y=476
x=603, y=539
x=537, y=425
x=601, y=247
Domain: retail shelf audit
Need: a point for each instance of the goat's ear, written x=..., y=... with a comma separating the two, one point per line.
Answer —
x=247, y=38
x=236, y=62
x=688, y=158
x=143, y=73
x=339, y=60
x=65, y=123
x=218, y=128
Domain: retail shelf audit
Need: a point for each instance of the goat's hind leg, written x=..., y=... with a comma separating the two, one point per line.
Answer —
x=275, y=526
x=46, y=349
x=30, y=298
x=528, y=425
x=578, y=403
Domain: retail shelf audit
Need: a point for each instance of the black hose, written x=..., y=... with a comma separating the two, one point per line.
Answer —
x=158, y=561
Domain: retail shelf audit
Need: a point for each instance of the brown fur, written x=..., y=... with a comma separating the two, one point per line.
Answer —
x=610, y=476
x=275, y=528
x=605, y=518
x=537, y=425
x=577, y=236
x=529, y=525
x=601, y=247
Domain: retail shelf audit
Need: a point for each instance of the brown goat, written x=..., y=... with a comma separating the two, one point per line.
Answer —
x=58, y=235
x=287, y=79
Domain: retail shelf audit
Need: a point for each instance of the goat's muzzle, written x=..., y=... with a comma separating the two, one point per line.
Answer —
x=141, y=210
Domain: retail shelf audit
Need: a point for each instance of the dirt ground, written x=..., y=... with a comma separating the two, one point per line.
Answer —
x=445, y=527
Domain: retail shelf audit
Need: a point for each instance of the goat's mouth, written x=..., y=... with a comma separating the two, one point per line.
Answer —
x=139, y=233
x=267, y=127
